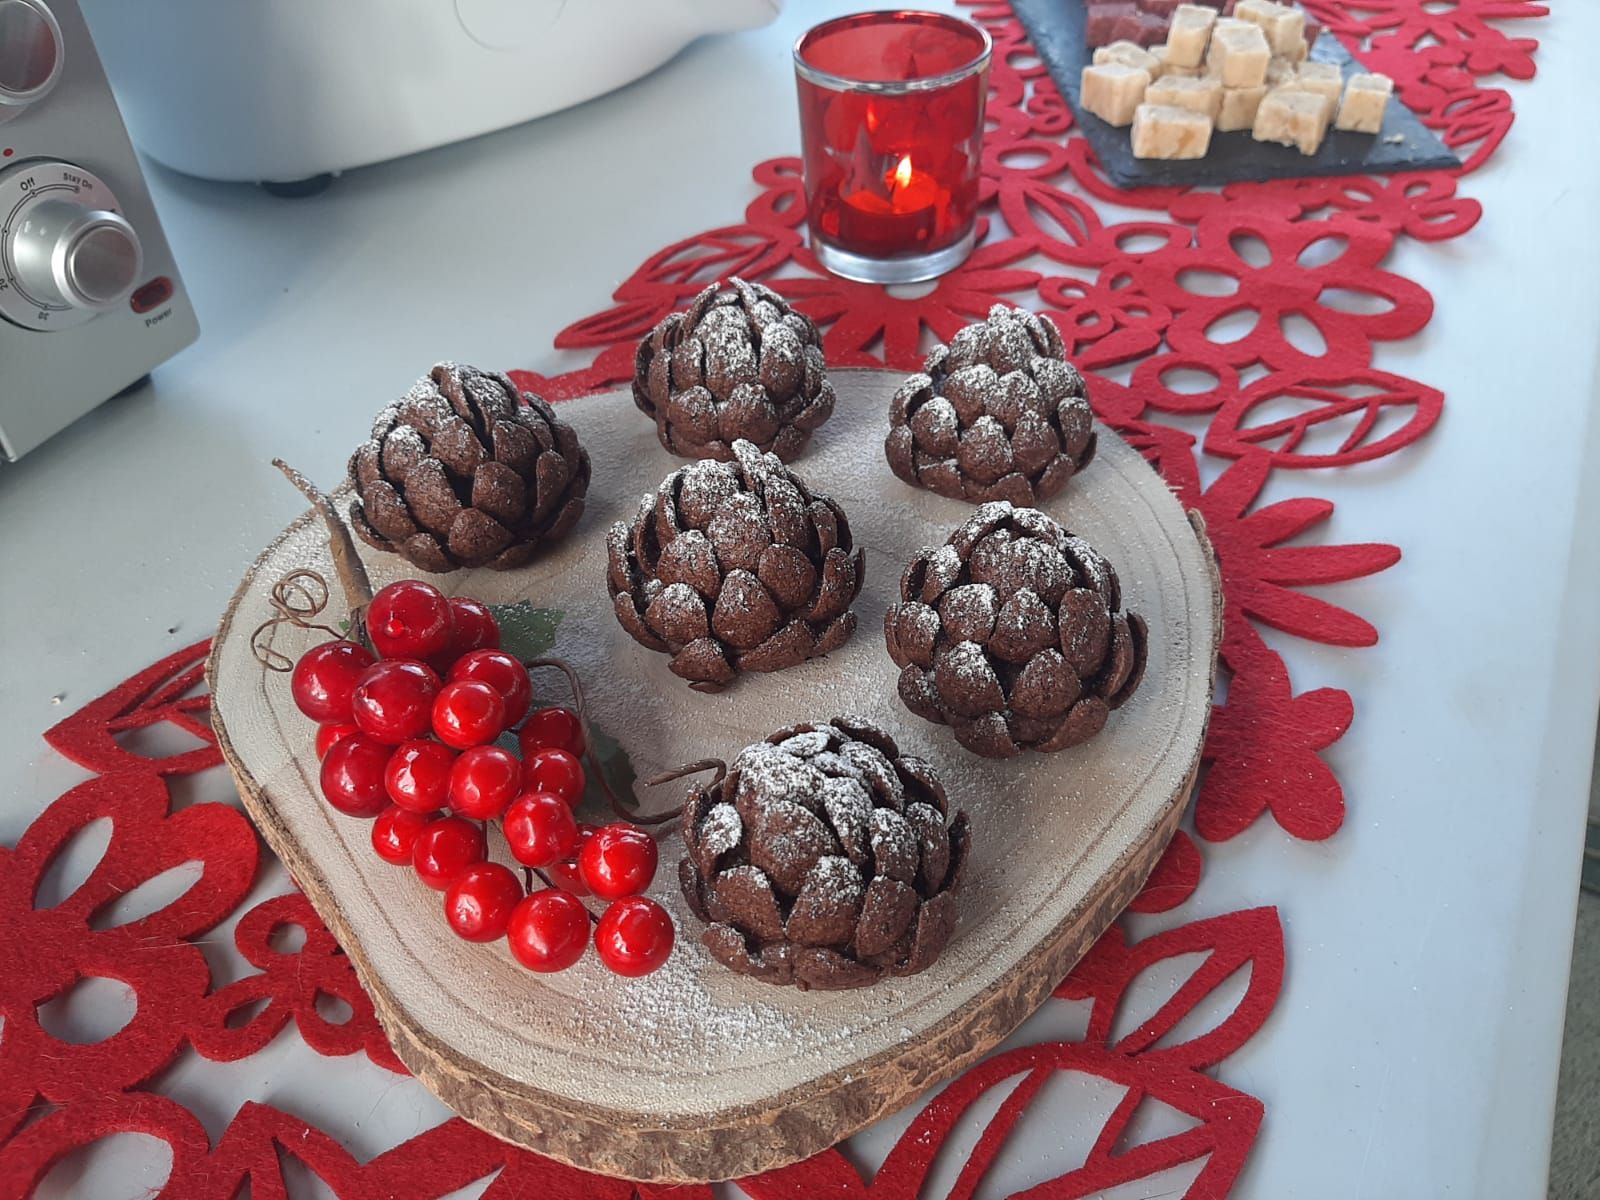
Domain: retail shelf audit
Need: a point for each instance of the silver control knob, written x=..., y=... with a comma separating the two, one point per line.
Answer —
x=65, y=254
x=66, y=251
x=30, y=54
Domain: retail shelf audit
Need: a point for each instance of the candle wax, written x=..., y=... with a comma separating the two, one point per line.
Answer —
x=907, y=217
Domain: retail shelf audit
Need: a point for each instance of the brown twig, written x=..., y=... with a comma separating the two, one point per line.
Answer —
x=694, y=768
x=529, y=872
x=352, y=574
x=595, y=769
x=297, y=598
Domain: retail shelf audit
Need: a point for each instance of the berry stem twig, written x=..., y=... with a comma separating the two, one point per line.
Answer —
x=595, y=768
x=694, y=768
x=352, y=574
x=529, y=872
x=296, y=598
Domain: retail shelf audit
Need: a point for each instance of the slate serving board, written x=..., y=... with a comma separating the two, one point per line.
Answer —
x=1056, y=29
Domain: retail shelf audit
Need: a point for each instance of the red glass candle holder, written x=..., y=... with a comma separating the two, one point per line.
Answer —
x=891, y=124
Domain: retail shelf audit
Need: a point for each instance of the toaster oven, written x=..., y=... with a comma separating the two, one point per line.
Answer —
x=90, y=297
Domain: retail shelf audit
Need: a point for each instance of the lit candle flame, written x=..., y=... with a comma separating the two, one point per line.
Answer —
x=902, y=171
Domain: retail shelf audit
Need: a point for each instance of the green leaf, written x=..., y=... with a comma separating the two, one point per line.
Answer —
x=526, y=631
x=618, y=768
x=529, y=632
x=358, y=636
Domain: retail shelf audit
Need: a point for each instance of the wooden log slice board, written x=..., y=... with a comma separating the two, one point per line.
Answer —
x=695, y=1073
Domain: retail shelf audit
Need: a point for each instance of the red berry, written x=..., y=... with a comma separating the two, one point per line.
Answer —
x=551, y=728
x=326, y=676
x=620, y=860
x=548, y=931
x=417, y=775
x=446, y=848
x=540, y=829
x=410, y=619
x=555, y=771
x=352, y=776
x=475, y=626
x=565, y=874
x=479, y=902
x=634, y=936
x=503, y=673
x=329, y=736
x=468, y=713
x=394, y=701
x=394, y=834
x=483, y=781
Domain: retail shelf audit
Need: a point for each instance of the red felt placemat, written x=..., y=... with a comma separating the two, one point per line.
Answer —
x=1126, y=296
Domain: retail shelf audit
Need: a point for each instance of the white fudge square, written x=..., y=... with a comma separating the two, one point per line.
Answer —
x=1112, y=91
x=1281, y=71
x=1239, y=107
x=1325, y=79
x=1163, y=132
x=1240, y=56
x=1283, y=24
x=1203, y=95
x=1365, y=98
x=1188, y=34
x=1291, y=118
x=1128, y=54
x=1168, y=67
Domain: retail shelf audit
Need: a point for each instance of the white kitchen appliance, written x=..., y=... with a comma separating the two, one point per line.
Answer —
x=90, y=298
x=287, y=90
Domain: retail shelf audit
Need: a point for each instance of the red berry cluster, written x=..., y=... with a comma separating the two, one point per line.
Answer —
x=408, y=732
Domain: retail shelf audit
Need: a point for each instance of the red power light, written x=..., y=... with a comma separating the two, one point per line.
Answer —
x=152, y=295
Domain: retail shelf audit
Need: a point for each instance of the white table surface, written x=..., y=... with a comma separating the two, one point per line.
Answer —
x=1414, y=1050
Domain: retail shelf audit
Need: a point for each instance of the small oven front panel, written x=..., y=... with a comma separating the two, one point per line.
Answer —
x=90, y=297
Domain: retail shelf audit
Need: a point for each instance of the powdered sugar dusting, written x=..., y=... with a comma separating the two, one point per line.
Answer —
x=1092, y=564
x=421, y=403
x=936, y=419
x=405, y=439
x=778, y=775
x=924, y=621
x=968, y=611
x=807, y=744
x=944, y=568
x=760, y=1021
x=830, y=763
x=891, y=836
x=835, y=878
x=721, y=829
x=968, y=663
x=848, y=807
x=702, y=489
x=874, y=767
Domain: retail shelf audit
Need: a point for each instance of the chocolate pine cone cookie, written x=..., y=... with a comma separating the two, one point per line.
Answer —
x=465, y=471
x=1011, y=634
x=735, y=567
x=740, y=363
x=825, y=859
x=998, y=414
